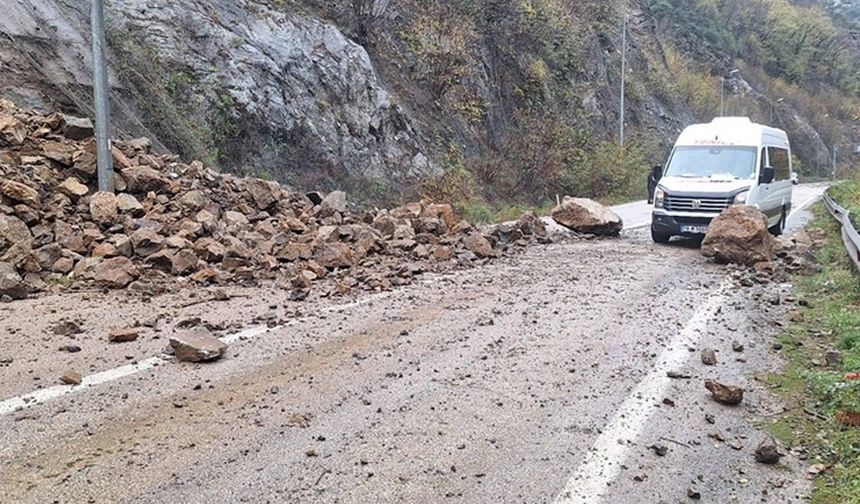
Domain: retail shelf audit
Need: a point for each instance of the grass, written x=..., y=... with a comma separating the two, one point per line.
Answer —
x=831, y=321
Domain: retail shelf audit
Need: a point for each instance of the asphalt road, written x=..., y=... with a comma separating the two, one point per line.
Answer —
x=538, y=378
x=638, y=214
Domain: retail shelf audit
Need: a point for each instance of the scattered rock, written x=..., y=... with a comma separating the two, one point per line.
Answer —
x=71, y=377
x=197, y=345
x=834, y=358
x=739, y=235
x=737, y=346
x=725, y=394
x=67, y=328
x=694, y=494
x=709, y=357
x=125, y=335
x=660, y=450
x=768, y=451
x=587, y=216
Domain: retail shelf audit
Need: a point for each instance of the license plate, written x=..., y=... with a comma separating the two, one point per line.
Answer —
x=702, y=229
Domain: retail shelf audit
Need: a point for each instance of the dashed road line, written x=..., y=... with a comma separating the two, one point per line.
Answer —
x=593, y=478
x=20, y=402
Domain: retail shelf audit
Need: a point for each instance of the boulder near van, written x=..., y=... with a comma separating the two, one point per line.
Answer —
x=731, y=161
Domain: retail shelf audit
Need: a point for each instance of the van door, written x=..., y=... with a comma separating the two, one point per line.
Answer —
x=781, y=187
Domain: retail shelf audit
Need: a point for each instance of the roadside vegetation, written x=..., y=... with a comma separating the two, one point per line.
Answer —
x=824, y=415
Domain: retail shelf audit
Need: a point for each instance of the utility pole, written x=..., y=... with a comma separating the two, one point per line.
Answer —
x=623, y=73
x=723, y=90
x=100, y=95
x=835, y=149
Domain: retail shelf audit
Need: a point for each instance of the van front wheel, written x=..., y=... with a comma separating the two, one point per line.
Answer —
x=659, y=237
x=779, y=229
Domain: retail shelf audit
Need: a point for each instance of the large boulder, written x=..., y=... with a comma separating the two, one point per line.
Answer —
x=739, y=235
x=587, y=216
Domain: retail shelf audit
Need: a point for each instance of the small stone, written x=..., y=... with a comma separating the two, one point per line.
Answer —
x=709, y=357
x=725, y=394
x=71, y=377
x=123, y=335
x=660, y=450
x=694, y=494
x=70, y=348
x=768, y=452
x=834, y=358
x=737, y=346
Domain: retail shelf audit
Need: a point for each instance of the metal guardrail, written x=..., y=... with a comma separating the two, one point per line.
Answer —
x=849, y=233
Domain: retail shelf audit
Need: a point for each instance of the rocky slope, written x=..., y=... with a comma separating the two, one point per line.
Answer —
x=514, y=101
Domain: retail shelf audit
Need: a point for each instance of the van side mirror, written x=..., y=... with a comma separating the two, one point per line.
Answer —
x=657, y=173
x=767, y=175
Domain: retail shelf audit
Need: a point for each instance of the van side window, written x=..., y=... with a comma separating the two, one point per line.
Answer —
x=779, y=160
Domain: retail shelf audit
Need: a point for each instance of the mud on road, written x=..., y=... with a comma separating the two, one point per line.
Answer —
x=487, y=385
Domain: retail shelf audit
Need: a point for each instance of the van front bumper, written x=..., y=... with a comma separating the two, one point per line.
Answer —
x=674, y=224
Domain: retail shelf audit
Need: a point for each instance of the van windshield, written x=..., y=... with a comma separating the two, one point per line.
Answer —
x=713, y=162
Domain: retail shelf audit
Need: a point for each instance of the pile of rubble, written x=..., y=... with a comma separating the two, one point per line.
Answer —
x=173, y=224
x=740, y=236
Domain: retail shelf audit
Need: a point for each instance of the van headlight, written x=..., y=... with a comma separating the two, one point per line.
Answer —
x=741, y=198
x=659, y=198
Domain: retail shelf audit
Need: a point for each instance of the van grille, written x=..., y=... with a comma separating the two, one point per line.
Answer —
x=693, y=204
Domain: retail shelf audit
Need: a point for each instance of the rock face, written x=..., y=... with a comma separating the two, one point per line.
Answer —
x=197, y=345
x=587, y=216
x=290, y=79
x=739, y=235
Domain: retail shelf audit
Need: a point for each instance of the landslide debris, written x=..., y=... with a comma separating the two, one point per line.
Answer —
x=173, y=224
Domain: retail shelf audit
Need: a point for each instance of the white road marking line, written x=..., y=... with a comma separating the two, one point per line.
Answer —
x=21, y=402
x=602, y=465
x=46, y=394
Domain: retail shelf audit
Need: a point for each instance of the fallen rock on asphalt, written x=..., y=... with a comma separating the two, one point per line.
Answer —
x=739, y=235
x=125, y=335
x=768, y=451
x=725, y=394
x=197, y=345
x=71, y=377
x=587, y=216
x=709, y=357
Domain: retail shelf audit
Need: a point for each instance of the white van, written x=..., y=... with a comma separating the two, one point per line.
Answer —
x=730, y=161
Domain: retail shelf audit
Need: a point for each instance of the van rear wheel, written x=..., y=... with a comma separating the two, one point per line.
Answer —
x=659, y=237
